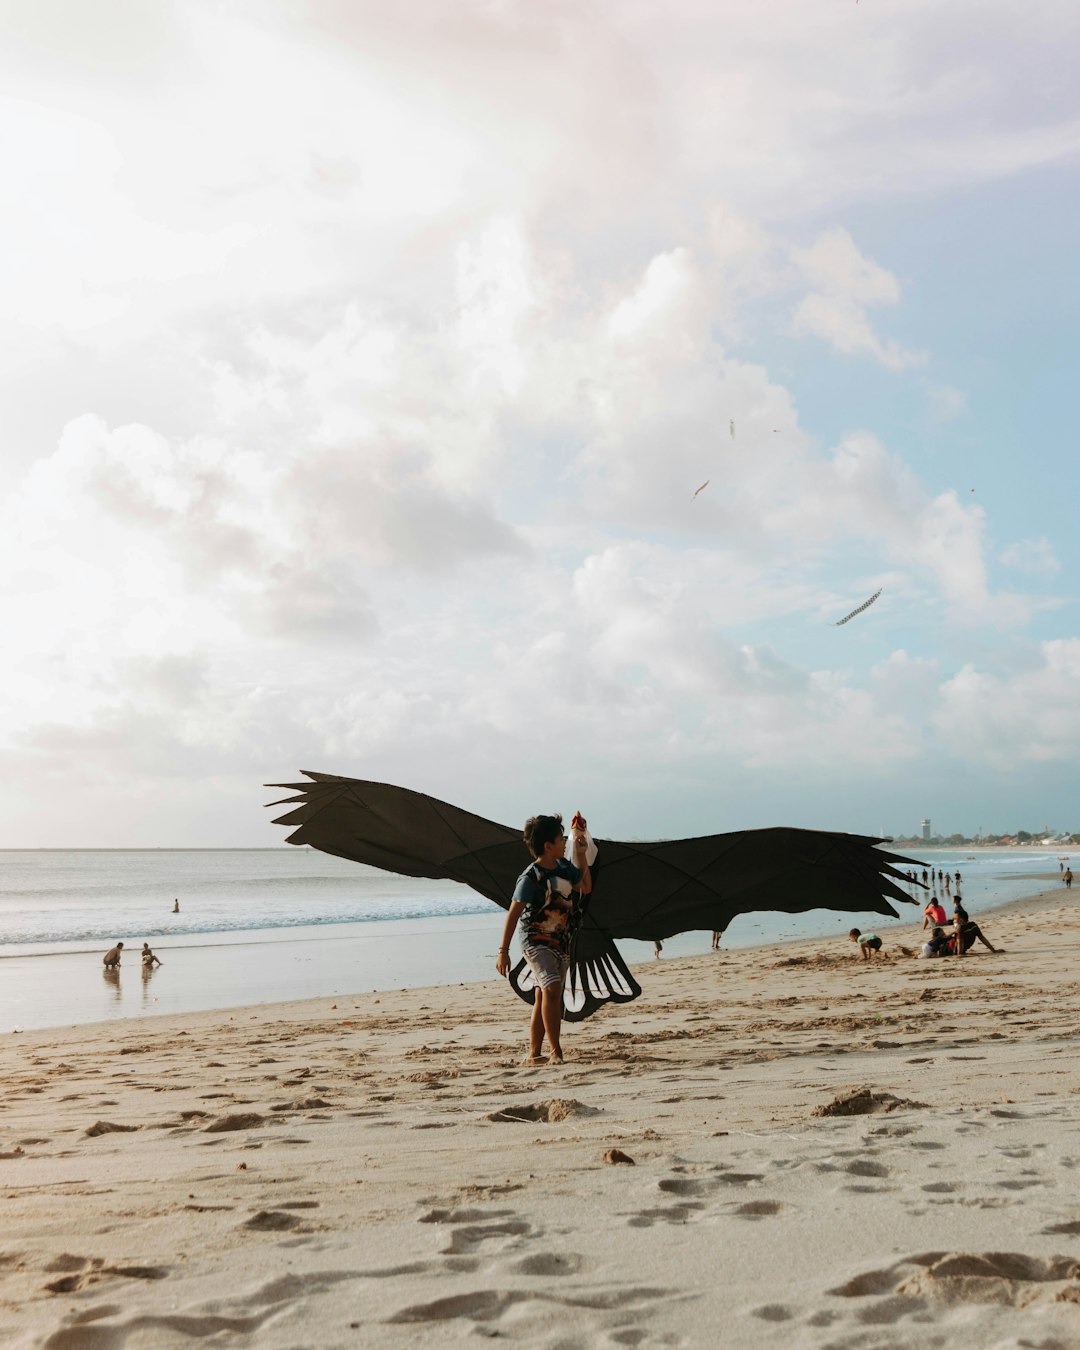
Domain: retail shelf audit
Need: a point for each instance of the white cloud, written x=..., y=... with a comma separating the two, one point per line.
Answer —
x=1034, y=556
x=947, y=403
x=1011, y=720
x=660, y=302
x=844, y=283
x=370, y=361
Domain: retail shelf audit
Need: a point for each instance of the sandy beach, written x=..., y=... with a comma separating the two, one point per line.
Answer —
x=825, y=1152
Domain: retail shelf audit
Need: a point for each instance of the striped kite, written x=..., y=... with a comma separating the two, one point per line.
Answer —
x=865, y=605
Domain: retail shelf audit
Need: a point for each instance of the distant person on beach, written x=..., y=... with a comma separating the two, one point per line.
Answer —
x=716, y=940
x=956, y=878
x=934, y=913
x=544, y=895
x=925, y=878
x=149, y=960
x=176, y=906
x=869, y=943
x=948, y=883
x=1066, y=877
x=658, y=947
x=111, y=959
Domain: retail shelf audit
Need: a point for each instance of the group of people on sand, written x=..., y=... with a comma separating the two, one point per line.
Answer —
x=965, y=933
x=111, y=958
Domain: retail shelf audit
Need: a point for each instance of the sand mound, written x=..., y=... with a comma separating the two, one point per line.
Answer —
x=863, y=1101
x=243, y=1120
x=550, y=1112
x=107, y=1127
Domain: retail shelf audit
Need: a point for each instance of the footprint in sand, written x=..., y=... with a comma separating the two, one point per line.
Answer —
x=773, y=1312
x=685, y=1186
x=489, y=1305
x=548, y=1263
x=272, y=1221
x=759, y=1209
x=465, y=1239
x=676, y=1214
x=87, y=1270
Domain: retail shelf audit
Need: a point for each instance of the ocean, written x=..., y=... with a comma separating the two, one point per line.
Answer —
x=270, y=925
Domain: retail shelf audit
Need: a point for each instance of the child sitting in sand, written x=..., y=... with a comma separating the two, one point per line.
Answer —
x=935, y=945
x=869, y=943
x=148, y=958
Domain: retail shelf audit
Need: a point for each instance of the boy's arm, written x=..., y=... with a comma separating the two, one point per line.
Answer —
x=580, y=860
x=502, y=961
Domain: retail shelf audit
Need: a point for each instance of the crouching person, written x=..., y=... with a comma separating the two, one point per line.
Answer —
x=869, y=943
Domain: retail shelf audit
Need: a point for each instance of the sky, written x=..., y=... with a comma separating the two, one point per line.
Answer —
x=363, y=362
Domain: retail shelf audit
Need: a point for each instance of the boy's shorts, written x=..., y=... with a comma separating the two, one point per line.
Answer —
x=548, y=965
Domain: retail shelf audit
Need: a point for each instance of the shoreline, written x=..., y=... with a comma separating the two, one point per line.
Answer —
x=376, y=1169
x=891, y=930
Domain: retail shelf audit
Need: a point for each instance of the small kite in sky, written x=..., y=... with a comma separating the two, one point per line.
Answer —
x=731, y=425
x=701, y=488
x=865, y=605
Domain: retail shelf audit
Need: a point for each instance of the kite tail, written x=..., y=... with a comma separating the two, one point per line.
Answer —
x=597, y=975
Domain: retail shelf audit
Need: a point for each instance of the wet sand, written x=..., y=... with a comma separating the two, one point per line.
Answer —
x=826, y=1152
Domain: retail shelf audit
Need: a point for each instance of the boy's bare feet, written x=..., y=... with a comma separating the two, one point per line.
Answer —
x=531, y=1060
x=556, y=1057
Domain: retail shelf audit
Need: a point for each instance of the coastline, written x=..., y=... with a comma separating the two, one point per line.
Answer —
x=226, y=970
x=377, y=1169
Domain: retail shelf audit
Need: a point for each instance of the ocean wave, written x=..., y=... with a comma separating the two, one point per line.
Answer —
x=13, y=892
x=150, y=925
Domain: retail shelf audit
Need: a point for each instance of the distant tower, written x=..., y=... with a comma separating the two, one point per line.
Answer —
x=924, y=828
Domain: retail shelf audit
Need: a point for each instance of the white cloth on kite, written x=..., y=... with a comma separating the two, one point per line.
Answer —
x=580, y=830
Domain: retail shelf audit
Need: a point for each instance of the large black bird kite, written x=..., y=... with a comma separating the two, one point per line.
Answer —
x=640, y=890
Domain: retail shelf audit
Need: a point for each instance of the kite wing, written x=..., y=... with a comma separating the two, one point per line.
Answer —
x=865, y=605
x=405, y=832
x=640, y=890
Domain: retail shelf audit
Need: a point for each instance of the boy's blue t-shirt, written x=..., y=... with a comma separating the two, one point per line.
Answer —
x=546, y=895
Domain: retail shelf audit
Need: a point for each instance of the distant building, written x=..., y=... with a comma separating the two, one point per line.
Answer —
x=924, y=829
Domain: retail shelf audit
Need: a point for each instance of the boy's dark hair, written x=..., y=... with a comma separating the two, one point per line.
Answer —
x=938, y=932
x=854, y=932
x=541, y=830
